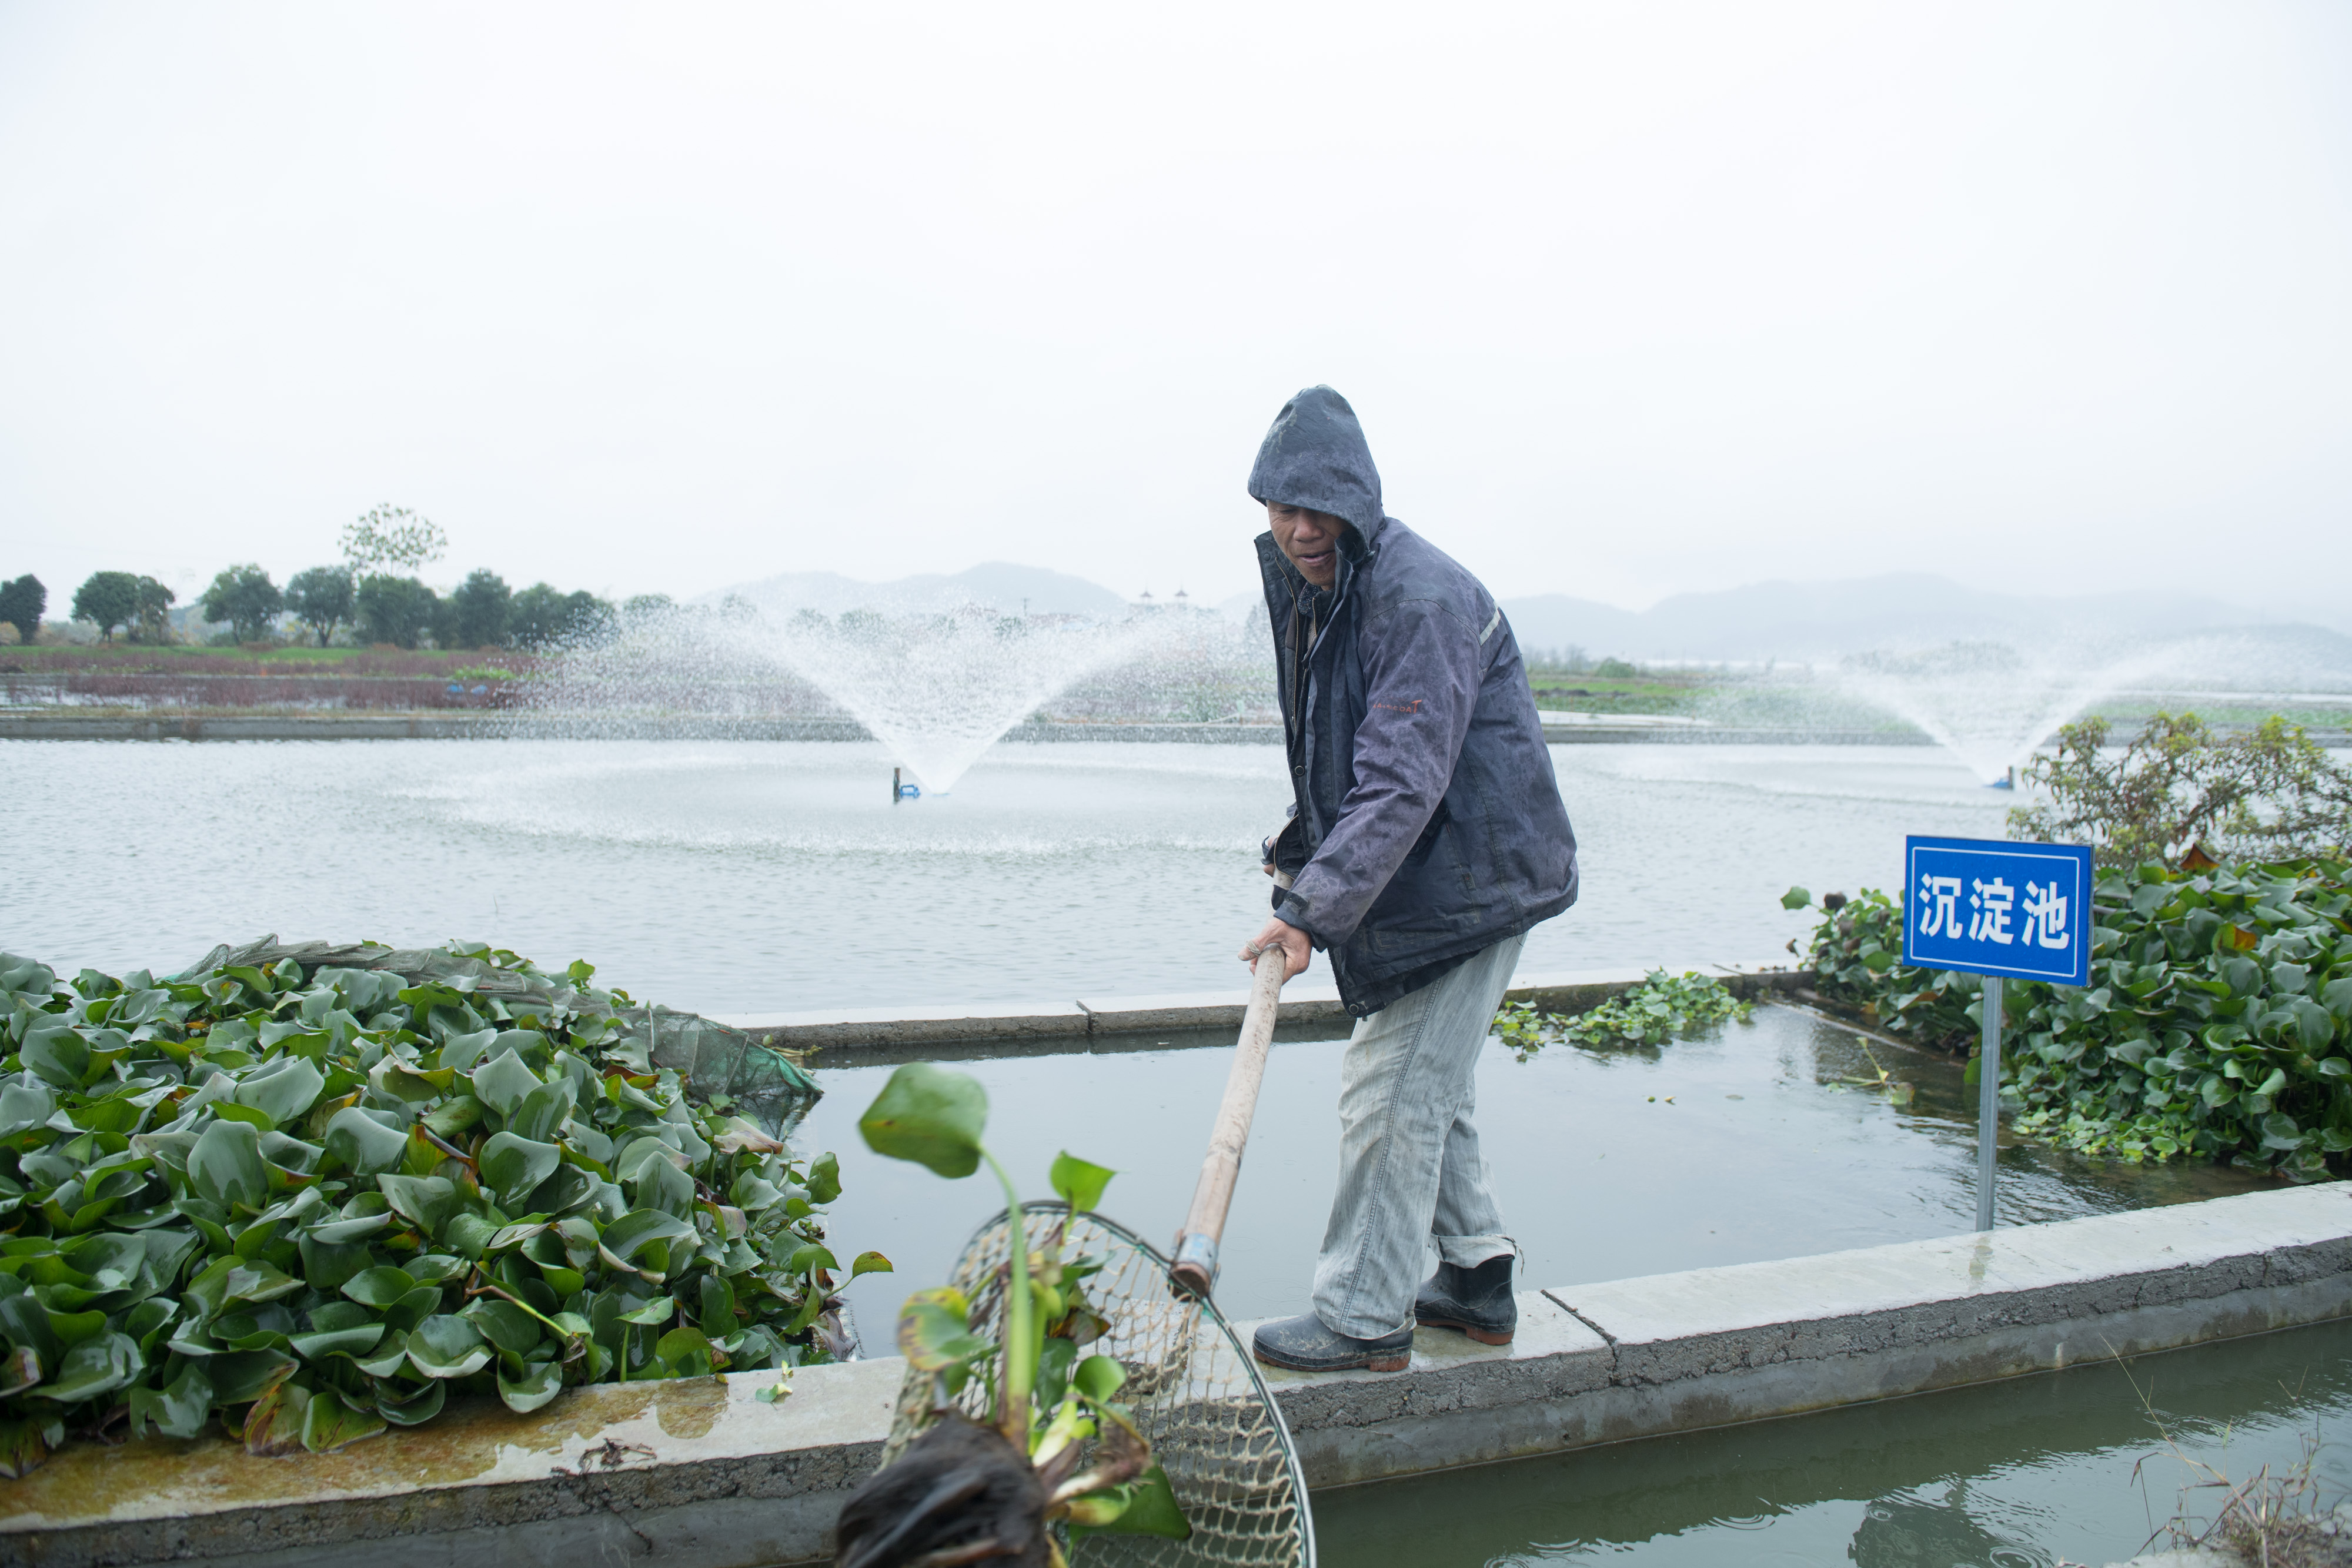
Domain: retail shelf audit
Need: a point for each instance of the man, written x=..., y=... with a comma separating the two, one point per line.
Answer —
x=1426, y=836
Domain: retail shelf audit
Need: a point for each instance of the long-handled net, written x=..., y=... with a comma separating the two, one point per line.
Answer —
x=1194, y=1393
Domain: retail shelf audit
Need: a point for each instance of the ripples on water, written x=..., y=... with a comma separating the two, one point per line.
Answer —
x=771, y=877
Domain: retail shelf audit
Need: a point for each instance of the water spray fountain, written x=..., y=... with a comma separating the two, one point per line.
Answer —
x=937, y=687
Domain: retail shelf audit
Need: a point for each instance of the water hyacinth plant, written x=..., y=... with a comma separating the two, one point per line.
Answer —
x=314, y=1198
x=2216, y=1025
x=1653, y=1012
x=1064, y=1450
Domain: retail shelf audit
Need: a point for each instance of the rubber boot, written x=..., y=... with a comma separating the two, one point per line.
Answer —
x=1303, y=1344
x=1476, y=1300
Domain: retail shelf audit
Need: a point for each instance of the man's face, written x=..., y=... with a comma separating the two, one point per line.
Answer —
x=1310, y=538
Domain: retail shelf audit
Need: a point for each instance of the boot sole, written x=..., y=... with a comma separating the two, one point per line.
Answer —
x=1483, y=1336
x=1373, y=1364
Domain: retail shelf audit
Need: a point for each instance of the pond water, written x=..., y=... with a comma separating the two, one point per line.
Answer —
x=2079, y=1466
x=778, y=877
x=752, y=878
x=1742, y=1145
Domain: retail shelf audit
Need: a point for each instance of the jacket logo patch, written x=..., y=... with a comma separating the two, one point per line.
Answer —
x=1412, y=706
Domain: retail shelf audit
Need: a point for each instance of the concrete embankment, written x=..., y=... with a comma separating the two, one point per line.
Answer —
x=506, y=725
x=701, y=1473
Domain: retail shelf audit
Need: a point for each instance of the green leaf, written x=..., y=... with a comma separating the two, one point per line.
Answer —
x=179, y=1410
x=329, y=1423
x=502, y=1082
x=542, y=1111
x=715, y=1304
x=361, y=1143
x=281, y=1090
x=424, y=1201
x=512, y=1166
x=639, y=1241
x=225, y=1166
x=662, y=1185
x=379, y=1287
x=23, y=1444
x=26, y=1322
x=467, y=1234
x=97, y=1365
x=245, y=1376
x=825, y=1176
x=20, y=1370
x=415, y=1408
x=354, y=1341
x=2279, y=1132
x=538, y=1384
x=935, y=1331
x=1150, y=1509
x=869, y=1263
x=58, y=1054
x=1099, y=1378
x=504, y=1325
x=930, y=1116
x=274, y=1425
x=446, y=1346
x=1079, y=1182
x=1795, y=898
x=687, y=1351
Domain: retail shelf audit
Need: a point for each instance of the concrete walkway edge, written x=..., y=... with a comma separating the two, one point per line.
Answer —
x=699, y=1472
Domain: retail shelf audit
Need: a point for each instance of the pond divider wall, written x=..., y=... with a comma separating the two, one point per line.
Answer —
x=850, y=1037
x=698, y=1473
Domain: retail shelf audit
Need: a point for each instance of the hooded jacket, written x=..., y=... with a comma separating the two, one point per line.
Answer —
x=1427, y=820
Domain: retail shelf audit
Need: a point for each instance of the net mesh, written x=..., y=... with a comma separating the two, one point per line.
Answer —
x=1194, y=1392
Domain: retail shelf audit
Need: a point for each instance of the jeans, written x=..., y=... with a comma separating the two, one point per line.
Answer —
x=1410, y=1170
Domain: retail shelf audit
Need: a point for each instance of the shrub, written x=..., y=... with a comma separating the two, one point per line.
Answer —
x=313, y=1194
x=2216, y=1025
x=2178, y=789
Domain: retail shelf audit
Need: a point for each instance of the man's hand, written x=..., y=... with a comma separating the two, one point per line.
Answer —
x=1295, y=945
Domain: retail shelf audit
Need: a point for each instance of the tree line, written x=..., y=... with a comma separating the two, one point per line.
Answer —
x=372, y=608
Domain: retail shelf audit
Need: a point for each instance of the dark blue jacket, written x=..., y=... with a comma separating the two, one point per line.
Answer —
x=1428, y=822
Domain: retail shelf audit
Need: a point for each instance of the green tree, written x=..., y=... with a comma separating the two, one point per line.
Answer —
x=2177, y=787
x=108, y=599
x=154, y=621
x=245, y=598
x=544, y=618
x=389, y=536
x=395, y=609
x=21, y=604
x=483, y=608
x=322, y=599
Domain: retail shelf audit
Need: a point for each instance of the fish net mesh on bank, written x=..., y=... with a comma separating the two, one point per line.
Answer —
x=1194, y=1392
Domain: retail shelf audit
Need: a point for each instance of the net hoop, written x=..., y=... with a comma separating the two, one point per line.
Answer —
x=1194, y=1389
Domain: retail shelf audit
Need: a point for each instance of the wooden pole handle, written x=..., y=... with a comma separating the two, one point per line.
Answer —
x=1195, y=1266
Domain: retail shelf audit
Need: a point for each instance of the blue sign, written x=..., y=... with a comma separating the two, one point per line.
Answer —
x=1994, y=907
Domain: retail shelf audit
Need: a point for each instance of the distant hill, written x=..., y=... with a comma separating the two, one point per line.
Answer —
x=1001, y=585
x=1818, y=620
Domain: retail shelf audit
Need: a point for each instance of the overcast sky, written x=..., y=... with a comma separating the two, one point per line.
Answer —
x=1632, y=298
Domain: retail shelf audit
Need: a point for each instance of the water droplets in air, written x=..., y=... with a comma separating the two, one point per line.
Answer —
x=937, y=687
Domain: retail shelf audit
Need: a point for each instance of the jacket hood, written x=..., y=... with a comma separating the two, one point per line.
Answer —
x=1315, y=457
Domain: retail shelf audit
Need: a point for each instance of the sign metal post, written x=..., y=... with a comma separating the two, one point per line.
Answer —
x=2002, y=910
